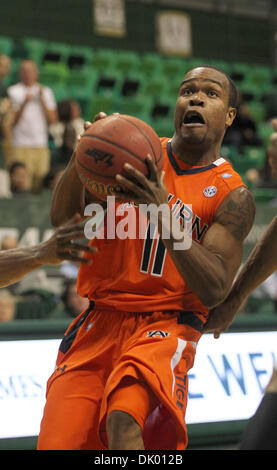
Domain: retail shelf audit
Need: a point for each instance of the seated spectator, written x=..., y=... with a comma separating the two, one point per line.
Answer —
x=66, y=131
x=77, y=121
x=5, y=191
x=69, y=112
x=52, y=177
x=243, y=130
x=266, y=177
x=73, y=303
x=18, y=179
x=7, y=306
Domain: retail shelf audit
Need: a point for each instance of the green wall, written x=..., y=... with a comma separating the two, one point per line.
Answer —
x=215, y=35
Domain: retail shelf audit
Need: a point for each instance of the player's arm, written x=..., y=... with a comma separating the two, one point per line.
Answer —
x=261, y=263
x=16, y=263
x=208, y=269
x=69, y=196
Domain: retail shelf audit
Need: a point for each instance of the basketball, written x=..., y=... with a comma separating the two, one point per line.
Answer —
x=108, y=144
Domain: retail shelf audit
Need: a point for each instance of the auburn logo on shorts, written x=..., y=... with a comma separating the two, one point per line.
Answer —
x=157, y=333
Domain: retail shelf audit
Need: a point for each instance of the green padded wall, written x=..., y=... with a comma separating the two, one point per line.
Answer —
x=215, y=35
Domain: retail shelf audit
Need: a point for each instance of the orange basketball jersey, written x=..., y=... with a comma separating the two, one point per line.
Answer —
x=138, y=274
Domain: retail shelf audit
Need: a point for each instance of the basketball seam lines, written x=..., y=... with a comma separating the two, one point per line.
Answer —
x=89, y=170
x=115, y=145
x=144, y=135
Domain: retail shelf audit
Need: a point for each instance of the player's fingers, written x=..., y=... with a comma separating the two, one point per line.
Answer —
x=87, y=124
x=162, y=178
x=131, y=187
x=79, y=246
x=136, y=175
x=75, y=219
x=153, y=170
x=67, y=256
x=100, y=115
x=74, y=233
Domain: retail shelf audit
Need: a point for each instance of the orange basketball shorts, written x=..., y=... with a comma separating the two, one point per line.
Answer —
x=134, y=362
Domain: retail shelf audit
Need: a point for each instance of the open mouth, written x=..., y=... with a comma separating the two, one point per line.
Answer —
x=193, y=117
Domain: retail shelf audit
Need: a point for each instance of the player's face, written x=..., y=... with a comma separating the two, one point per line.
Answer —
x=202, y=112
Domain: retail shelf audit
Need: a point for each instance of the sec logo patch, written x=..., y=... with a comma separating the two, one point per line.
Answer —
x=210, y=191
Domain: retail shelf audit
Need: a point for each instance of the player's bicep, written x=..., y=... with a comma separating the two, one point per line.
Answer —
x=233, y=221
x=236, y=213
x=226, y=248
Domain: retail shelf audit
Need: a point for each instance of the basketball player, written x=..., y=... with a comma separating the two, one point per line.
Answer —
x=261, y=432
x=17, y=262
x=121, y=374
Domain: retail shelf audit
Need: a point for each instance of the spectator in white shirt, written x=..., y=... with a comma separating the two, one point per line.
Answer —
x=34, y=108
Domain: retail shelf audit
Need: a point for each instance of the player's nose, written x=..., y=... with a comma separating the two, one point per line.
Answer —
x=197, y=100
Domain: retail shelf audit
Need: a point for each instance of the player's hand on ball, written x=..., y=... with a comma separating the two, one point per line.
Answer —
x=87, y=124
x=141, y=189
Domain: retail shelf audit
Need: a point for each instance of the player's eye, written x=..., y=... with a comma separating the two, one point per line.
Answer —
x=212, y=93
x=186, y=91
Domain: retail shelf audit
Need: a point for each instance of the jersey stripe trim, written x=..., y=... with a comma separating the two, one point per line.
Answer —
x=176, y=358
x=190, y=171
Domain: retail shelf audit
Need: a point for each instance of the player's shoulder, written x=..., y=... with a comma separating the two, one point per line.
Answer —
x=226, y=176
x=237, y=210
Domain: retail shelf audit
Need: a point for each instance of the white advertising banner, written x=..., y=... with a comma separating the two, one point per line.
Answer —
x=173, y=33
x=229, y=376
x=225, y=384
x=109, y=17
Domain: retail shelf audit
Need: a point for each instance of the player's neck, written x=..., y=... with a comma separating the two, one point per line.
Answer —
x=195, y=155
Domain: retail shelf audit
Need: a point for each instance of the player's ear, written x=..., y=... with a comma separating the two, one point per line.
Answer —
x=230, y=116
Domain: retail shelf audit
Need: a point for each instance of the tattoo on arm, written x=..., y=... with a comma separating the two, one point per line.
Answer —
x=237, y=212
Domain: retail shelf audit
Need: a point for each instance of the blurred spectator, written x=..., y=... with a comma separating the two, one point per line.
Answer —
x=5, y=184
x=66, y=131
x=270, y=104
x=73, y=303
x=34, y=109
x=69, y=112
x=77, y=121
x=243, y=130
x=56, y=130
x=52, y=177
x=266, y=177
x=5, y=65
x=6, y=113
x=7, y=306
x=18, y=179
x=262, y=178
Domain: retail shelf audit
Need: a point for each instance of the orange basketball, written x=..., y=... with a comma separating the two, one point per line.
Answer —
x=108, y=144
